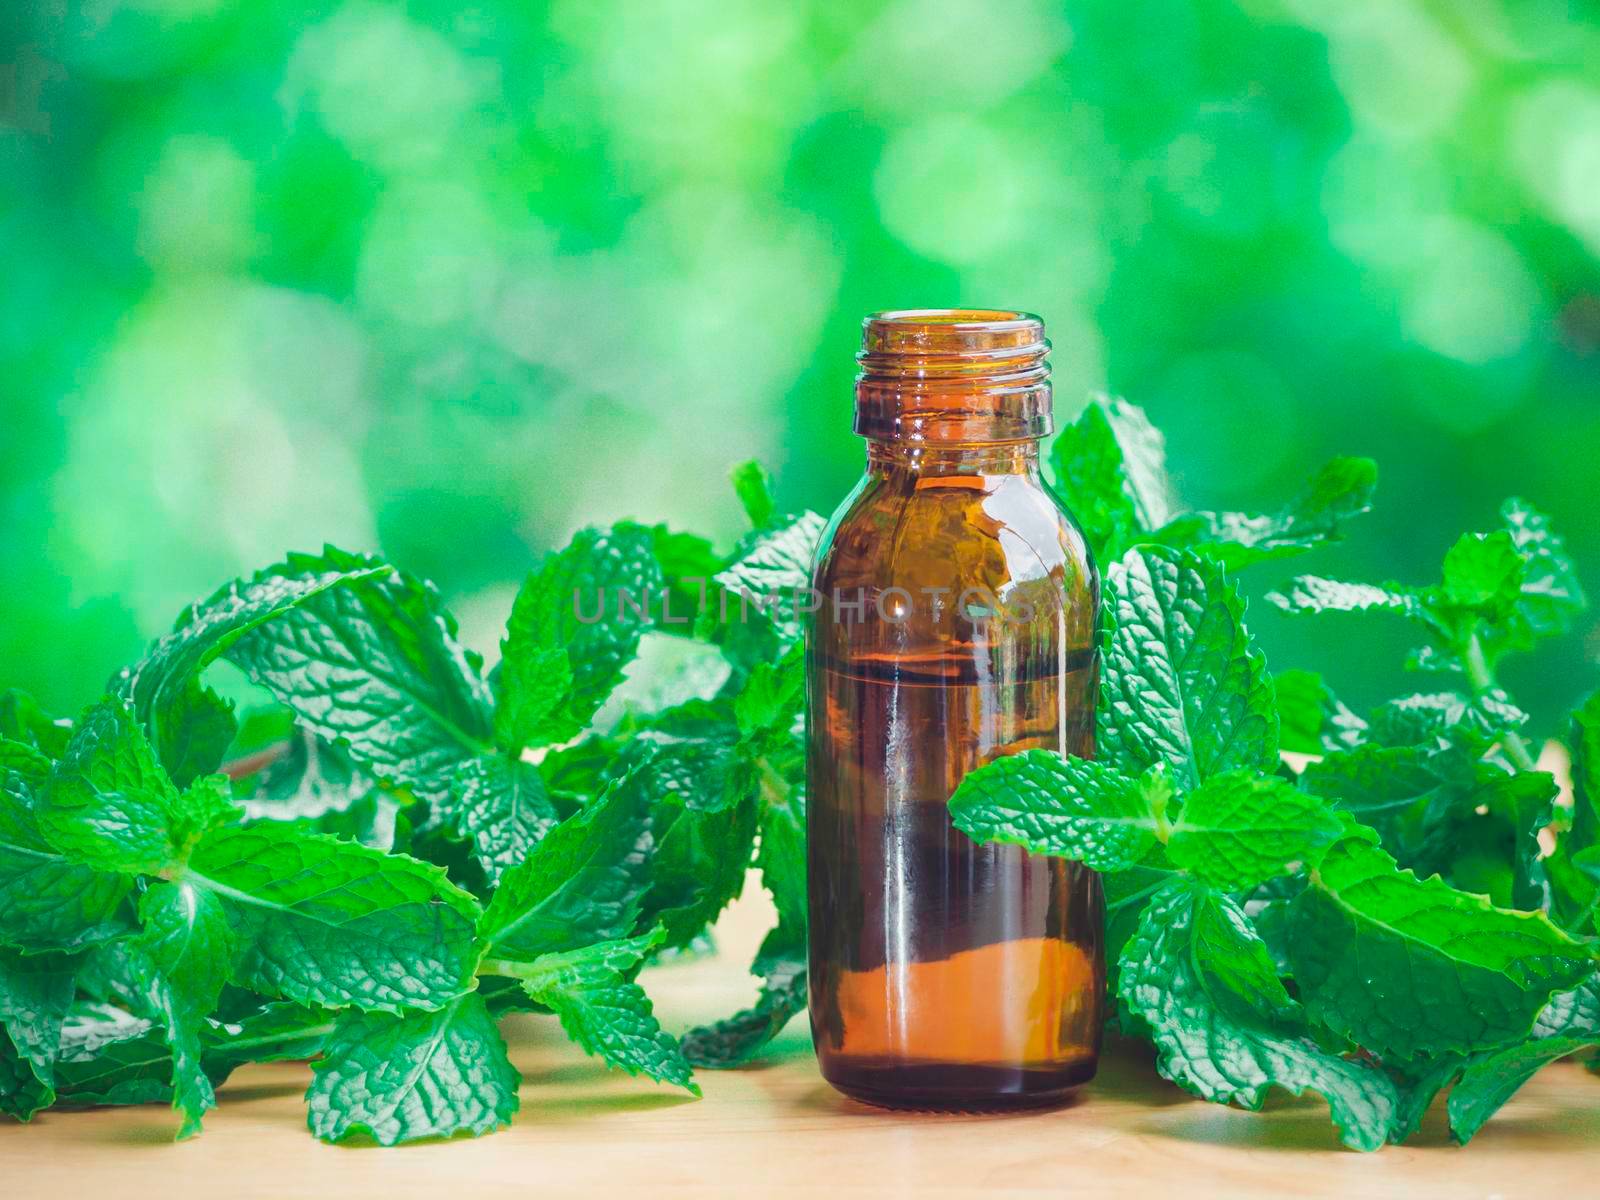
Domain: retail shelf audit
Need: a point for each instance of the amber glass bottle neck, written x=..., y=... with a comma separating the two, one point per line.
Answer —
x=917, y=458
x=953, y=377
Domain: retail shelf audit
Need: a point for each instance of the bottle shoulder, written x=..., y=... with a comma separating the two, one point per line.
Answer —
x=964, y=530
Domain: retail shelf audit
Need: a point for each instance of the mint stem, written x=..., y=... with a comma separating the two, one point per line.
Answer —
x=1481, y=677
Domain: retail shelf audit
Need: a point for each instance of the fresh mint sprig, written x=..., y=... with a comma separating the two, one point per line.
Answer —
x=1396, y=880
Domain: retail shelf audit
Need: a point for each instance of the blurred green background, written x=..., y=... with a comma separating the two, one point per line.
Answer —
x=452, y=279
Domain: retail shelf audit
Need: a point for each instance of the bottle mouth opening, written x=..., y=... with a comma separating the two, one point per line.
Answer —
x=977, y=334
x=953, y=374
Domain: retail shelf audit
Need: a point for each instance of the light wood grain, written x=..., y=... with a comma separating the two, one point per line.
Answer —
x=778, y=1130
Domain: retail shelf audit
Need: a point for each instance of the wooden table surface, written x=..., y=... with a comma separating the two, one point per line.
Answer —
x=778, y=1130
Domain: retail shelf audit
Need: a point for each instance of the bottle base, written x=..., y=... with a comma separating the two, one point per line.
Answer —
x=941, y=1087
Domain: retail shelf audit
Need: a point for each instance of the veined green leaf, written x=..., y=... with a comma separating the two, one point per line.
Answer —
x=583, y=883
x=327, y=922
x=108, y=804
x=1412, y=968
x=604, y=1011
x=500, y=805
x=185, y=720
x=47, y=900
x=1569, y=1023
x=1183, y=685
x=1070, y=807
x=573, y=631
x=400, y=1078
x=1224, y=1027
x=375, y=666
x=1239, y=829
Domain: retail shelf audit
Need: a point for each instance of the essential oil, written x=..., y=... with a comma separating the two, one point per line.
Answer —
x=957, y=621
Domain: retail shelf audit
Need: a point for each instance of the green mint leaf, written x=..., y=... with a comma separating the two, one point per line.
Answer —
x=111, y=1057
x=1551, y=595
x=1314, y=594
x=781, y=967
x=50, y=901
x=332, y=923
x=1418, y=1087
x=1070, y=807
x=108, y=804
x=582, y=884
x=22, y=720
x=375, y=666
x=698, y=867
x=781, y=855
x=1224, y=1027
x=1341, y=490
x=1576, y=891
x=1444, y=717
x=768, y=574
x=35, y=993
x=22, y=760
x=1110, y=468
x=574, y=628
x=197, y=727
x=398, y=1079
x=1474, y=975
x=188, y=944
x=687, y=561
x=1311, y=720
x=1569, y=1023
x=1183, y=685
x=500, y=806
x=184, y=720
x=773, y=696
x=605, y=1012
x=753, y=485
x=1239, y=829
x=314, y=787
x=272, y=1033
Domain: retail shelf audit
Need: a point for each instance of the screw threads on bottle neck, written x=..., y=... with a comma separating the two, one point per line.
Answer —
x=953, y=377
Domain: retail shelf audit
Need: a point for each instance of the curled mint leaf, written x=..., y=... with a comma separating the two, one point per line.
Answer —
x=1340, y=491
x=1110, y=468
x=1474, y=975
x=735, y=1040
x=1203, y=984
x=185, y=720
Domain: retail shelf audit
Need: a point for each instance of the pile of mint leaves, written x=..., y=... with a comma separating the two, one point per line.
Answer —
x=403, y=848
x=1381, y=924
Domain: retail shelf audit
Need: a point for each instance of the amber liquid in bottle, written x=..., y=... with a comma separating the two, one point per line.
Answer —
x=957, y=623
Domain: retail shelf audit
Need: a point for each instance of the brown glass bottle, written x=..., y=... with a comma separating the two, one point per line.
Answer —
x=958, y=623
